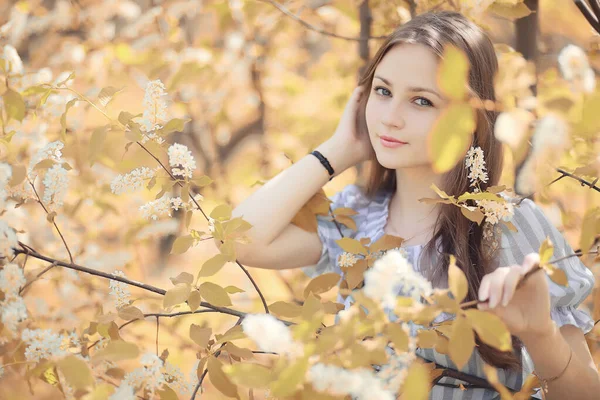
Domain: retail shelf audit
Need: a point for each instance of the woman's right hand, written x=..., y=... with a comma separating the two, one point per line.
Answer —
x=357, y=148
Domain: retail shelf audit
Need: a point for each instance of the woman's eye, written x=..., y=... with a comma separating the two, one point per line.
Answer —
x=385, y=93
x=425, y=102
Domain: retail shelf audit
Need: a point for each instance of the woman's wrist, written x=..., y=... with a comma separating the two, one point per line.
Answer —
x=335, y=154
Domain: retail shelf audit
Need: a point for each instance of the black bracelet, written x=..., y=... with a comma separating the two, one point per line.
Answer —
x=325, y=163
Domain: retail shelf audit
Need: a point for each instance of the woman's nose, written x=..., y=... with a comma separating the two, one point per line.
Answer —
x=393, y=119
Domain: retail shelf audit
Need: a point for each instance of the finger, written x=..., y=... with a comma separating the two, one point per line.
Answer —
x=496, y=286
x=510, y=284
x=484, y=288
x=530, y=261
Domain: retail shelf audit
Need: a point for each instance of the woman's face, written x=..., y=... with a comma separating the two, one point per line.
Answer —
x=403, y=104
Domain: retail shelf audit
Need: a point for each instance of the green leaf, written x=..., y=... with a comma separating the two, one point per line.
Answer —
x=215, y=294
x=76, y=372
x=212, y=266
x=176, y=295
x=451, y=136
x=182, y=244
x=221, y=212
x=14, y=105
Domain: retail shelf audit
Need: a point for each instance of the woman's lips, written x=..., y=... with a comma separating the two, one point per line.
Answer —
x=386, y=141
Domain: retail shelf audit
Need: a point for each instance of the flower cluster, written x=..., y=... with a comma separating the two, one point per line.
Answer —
x=44, y=344
x=8, y=240
x=5, y=175
x=347, y=259
x=131, y=181
x=56, y=184
x=476, y=165
x=155, y=110
x=393, y=275
x=181, y=160
x=361, y=384
x=119, y=290
x=575, y=67
x=163, y=206
x=52, y=151
x=270, y=334
x=495, y=211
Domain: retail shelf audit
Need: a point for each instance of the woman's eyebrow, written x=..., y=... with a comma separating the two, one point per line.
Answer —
x=412, y=88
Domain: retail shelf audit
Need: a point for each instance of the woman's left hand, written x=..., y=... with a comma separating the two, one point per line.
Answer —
x=526, y=311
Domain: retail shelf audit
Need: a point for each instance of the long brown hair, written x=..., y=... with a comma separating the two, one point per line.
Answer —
x=453, y=233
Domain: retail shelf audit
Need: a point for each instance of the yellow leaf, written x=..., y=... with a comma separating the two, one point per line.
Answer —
x=228, y=250
x=353, y=246
x=511, y=12
x=232, y=334
x=212, y=266
x=238, y=351
x=221, y=212
x=285, y=309
x=233, y=289
x=453, y=73
x=589, y=228
x=355, y=274
x=589, y=124
x=200, y=335
x=97, y=143
x=166, y=393
x=426, y=339
x=63, y=118
x=481, y=196
x=14, y=105
x=176, y=295
x=249, y=375
x=194, y=300
x=116, y=350
x=417, y=383
x=219, y=379
x=457, y=281
x=557, y=275
x=398, y=336
x=462, y=341
x=386, y=242
x=491, y=329
x=215, y=294
x=344, y=211
x=18, y=175
x=546, y=251
x=130, y=312
x=311, y=306
x=289, y=379
x=322, y=283
x=174, y=125
x=107, y=94
x=182, y=244
x=348, y=221
x=450, y=137
x=183, y=277
x=76, y=372
x=492, y=375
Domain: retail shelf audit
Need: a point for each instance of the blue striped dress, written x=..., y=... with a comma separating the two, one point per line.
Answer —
x=533, y=227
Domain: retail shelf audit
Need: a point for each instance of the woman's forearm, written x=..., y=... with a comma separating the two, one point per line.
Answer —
x=550, y=355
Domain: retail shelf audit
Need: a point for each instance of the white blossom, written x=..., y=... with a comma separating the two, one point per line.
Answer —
x=175, y=378
x=393, y=275
x=119, y=290
x=575, y=67
x=52, y=151
x=270, y=334
x=476, y=163
x=163, y=206
x=347, y=259
x=181, y=160
x=8, y=240
x=123, y=392
x=5, y=173
x=13, y=312
x=13, y=62
x=11, y=279
x=551, y=133
x=132, y=181
x=155, y=106
x=56, y=184
x=495, y=210
x=149, y=376
x=361, y=383
x=43, y=343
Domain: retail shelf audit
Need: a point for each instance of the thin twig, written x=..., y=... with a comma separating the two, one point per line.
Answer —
x=37, y=277
x=314, y=28
x=53, y=222
x=157, y=325
x=564, y=174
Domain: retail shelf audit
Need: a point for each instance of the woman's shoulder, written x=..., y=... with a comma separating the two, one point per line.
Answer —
x=355, y=196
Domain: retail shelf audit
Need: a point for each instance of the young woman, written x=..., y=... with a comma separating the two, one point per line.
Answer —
x=387, y=121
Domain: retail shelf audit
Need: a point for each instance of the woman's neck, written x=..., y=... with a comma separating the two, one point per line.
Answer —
x=407, y=214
